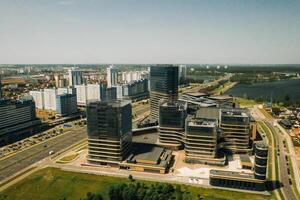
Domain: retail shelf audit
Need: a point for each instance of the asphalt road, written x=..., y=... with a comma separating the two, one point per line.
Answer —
x=21, y=160
x=283, y=168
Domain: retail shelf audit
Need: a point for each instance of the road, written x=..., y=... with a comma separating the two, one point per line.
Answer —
x=205, y=85
x=283, y=167
x=27, y=157
x=278, y=144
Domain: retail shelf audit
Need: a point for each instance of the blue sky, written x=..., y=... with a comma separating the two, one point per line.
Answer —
x=153, y=31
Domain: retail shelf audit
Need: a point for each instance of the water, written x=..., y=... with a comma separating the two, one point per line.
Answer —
x=277, y=89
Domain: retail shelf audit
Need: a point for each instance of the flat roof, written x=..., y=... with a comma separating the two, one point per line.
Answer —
x=245, y=158
x=147, y=152
x=232, y=174
x=208, y=113
x=220, y=97
x=196, y=94
x=201, y=122
x=237, y=112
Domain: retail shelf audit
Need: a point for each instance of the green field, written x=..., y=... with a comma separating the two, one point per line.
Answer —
x=51, y=183
x=245, y=102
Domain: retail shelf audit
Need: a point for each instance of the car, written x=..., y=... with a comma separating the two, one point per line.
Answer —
x=45, y=145
x=51, y=152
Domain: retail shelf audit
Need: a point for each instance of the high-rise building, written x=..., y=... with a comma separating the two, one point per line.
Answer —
x=38, y=97
x=1, y=88
x=110, y=94
x=47, y=99
x=81, y=91
x=94, y=92
x=66, y=90
x=163, y=84
x=75, y=77
x=109, y=130
x=135, y=90
x=236, y=130
x=16, y=118
x=112, y=76
x=182, y=73
x=172, y=116
x=66, y=104
x=50, y=99
x=201, y=141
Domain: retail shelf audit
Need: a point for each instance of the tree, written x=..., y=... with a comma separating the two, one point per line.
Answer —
x=130, y=177
x=178, y=191
x=92, y=196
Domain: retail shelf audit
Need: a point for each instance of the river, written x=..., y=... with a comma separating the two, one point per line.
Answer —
x=277, y=90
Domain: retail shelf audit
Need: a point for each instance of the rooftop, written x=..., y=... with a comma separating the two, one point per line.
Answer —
x=202, y=122
x=220, y=97
x=237, y=112
x=208, y=113
x=232, y=174
x=196, y=94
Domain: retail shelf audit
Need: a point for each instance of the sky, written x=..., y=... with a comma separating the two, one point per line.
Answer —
x=150, y=31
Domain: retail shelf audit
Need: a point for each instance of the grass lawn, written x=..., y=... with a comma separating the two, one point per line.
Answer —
x=245, y=102
x=69, y=157
x=51, y=183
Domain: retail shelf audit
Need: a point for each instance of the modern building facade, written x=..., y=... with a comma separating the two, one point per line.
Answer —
x=94, y=92
x=201, y=141
x=109, y=129
x=111, y=76
x=261, y=160
x=75, y=77
x=16, y=115
x=182, y=73
x=1, y=96
x=163, y=84
x=235, y=125
x=172, y=116
x=66, y=104
x=237, y=180
x=135, y=90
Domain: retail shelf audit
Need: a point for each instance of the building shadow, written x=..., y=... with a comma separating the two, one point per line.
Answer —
x=272, y=185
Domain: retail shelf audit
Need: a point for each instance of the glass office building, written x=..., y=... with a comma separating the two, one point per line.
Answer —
x=172, y=116
x=109, y=129
x=235, y=125
x=66, y=104
x=163, y=84
x=16, y=118
x=201, y=141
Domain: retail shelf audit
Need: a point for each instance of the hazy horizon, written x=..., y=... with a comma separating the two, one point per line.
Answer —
x=146, y=32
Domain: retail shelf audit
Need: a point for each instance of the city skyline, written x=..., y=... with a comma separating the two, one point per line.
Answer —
x=73, y=31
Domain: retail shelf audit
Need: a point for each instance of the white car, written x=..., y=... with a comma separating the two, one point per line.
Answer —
x=51, y=152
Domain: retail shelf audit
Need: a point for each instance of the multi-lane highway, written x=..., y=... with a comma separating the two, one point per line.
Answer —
x=280, y=155
x=282, y=163
x=13, y=164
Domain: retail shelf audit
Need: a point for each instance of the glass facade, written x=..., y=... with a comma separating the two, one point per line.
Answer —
x=163, y=84
x=109, y=129
x=172, y=114
x=66, y=104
